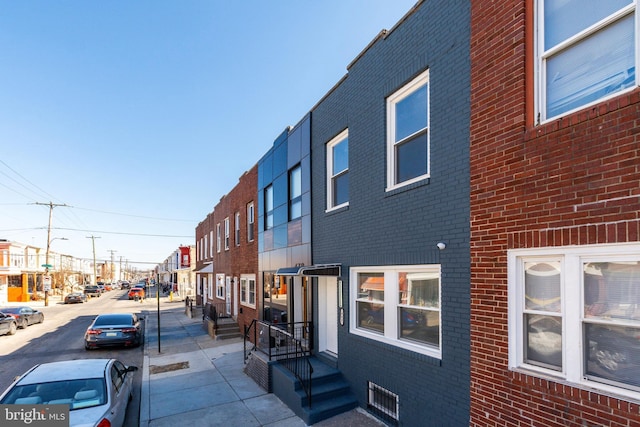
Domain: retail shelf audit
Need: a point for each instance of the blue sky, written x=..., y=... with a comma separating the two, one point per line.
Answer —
x=140, y=115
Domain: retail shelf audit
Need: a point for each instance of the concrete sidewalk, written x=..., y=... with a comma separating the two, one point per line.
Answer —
x=197, y=381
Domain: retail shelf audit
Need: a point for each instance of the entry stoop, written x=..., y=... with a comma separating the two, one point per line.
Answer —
x=330, y=392
x=227, y=328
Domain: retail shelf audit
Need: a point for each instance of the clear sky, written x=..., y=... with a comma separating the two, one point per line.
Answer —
x=137, y=116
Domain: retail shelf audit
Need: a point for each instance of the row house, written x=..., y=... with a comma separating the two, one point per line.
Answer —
x=177, y=272
x=555, y=213
x=235, y=259
x=204, y=250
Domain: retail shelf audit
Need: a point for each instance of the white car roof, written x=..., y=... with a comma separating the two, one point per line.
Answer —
x=66, y=370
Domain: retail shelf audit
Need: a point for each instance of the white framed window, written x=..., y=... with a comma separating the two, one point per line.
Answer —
x=226, y=234
x=206, y=245
x=250, y=222
x=218, y=238
x=574, y=313
x=586, y=52
x=248, y=290
x=237, y=225
x=208, y=287
x=295, y=193
x=338, y=171
x=220, y=284
x=408, y=133
x=210, y=244
x=398, y=305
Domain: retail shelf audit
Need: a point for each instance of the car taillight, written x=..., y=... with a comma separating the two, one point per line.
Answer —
x=94, y=331
x=104, y=423
x=128, y=330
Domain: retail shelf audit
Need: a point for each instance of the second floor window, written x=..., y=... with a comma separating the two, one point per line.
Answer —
x=338, y=171
x=586, y=52
x=226, y=233
x=295, y=193
x=408, y=133
x=237, y=224
x=218, y=238
x=250, y=222
x=268, y=207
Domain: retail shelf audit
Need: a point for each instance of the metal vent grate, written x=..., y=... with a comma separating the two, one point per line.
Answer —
x=383, y=402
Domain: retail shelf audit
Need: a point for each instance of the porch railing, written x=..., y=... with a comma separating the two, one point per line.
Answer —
x=289, y=343
x=214, y=311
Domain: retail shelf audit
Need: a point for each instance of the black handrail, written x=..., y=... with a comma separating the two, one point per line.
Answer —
x=288, y=343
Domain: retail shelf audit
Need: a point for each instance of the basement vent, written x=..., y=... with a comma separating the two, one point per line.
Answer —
x=383, y=402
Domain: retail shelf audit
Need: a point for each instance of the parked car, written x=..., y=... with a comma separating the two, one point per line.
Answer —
x=75, y=297
x=92, y=290
x=125, y=285
x=96, y=390
x=136, y=293
x=8, y=325
x=110, y=330
x=24, y=316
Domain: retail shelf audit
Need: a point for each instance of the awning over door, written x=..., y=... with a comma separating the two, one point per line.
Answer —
x=311, y=270
x=207, y=269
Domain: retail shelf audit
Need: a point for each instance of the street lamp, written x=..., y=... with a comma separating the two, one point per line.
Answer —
x=47, y=266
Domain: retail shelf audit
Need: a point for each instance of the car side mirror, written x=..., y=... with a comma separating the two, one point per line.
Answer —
x=131, y=368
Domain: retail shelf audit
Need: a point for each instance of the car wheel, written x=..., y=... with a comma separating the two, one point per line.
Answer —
x=41, y=319
x=23, y=324
x=13, y=328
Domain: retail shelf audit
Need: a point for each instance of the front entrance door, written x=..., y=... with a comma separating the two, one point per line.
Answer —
x=328, y=314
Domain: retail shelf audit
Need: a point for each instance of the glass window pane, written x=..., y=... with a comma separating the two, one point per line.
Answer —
x=612, y=290
x=594, y=68
x=543, y=341
x=565, y=19
x=296, y=209
x=341, y=189
x=419, y=325
x=542, y=286
x=411, y=158
x=295, y=183
x=370, y=314
x=411, y=113
x=340, y=156
x=613, y=354
x=419, y=289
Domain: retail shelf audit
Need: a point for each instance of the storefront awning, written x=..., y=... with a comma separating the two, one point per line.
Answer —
x=207, y=269
x=311, y=270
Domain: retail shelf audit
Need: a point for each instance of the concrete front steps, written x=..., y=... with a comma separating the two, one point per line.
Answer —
x=227, y=328
x=330, y=392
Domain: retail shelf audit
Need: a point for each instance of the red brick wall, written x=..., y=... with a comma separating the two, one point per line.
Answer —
x=572, y=181
x=243, y=258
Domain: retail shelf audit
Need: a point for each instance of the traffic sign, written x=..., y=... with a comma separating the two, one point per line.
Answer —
x=47, y=265
x=46, y=281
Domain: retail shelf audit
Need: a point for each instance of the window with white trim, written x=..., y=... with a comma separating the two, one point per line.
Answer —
x=248, y=290
x=208, y=287
x=226, y=234
x=250, y=222
x=574, y=313
x=237, y=225
x=210, y=244
x=408, y=133
x=220, y=283
x=206, y=245
x=586, y=52
x=218, y=238
x=399, y=305
x=338, y=171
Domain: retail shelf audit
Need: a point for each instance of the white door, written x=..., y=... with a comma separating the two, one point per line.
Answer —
x=328, y=314
x=228, y=294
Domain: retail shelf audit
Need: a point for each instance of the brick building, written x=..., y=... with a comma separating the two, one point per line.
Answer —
x=555, y=214
x=235, y=250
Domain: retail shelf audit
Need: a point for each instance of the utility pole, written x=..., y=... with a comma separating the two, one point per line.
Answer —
x=95, y=274
x=46, y=286
x=112, y=265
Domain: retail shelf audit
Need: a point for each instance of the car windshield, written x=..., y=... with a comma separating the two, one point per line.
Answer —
x=78, y=394
x=113, y=319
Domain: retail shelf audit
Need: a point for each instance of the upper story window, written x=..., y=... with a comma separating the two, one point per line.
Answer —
x=237, y=225
x=268, y=207
x=574, y=313
x=227, y=233
x=399, y=305
x=218, y=238
x=586, y=52
x=210, y=244
x=250, y=221
x=295, y=193
x=408, y=133
x=338, y=171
